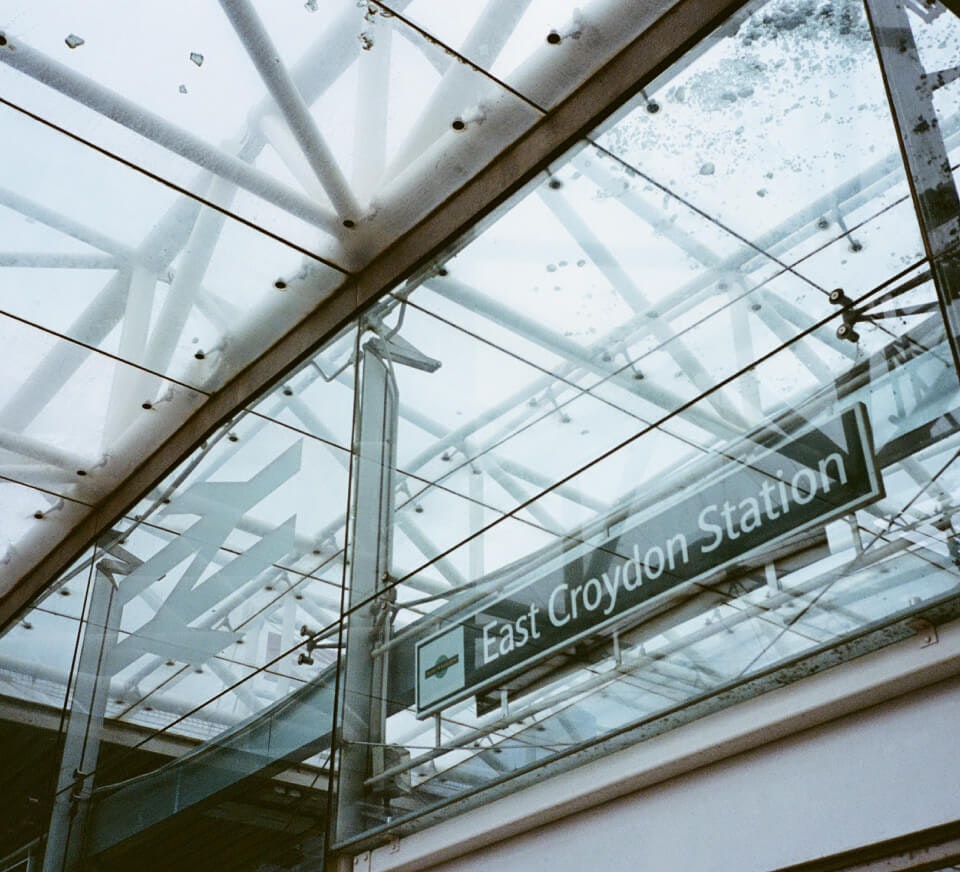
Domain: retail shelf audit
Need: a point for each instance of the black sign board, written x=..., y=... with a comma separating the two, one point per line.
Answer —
x=754, y=499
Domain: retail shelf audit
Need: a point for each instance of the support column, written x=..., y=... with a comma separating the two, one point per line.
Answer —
x=362, y=715
x=81, y=747
x=910, y=90
x=364, y=701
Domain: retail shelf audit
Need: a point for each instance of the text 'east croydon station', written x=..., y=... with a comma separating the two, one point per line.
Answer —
x=720, y=521
x=718, y=518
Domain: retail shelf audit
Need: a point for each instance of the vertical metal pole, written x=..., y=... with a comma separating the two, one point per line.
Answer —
x=910, y=92
x=362, y=723
x=81, y=747
x=477, y=520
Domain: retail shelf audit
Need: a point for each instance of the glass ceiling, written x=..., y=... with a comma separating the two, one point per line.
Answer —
x=176, y=197
x=181, y=185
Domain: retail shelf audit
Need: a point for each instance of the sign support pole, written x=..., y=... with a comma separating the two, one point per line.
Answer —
x=364, y=704
x=362, y=723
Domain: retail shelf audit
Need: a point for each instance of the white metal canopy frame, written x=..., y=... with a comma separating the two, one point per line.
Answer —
x=696, y=280
x=245, y=199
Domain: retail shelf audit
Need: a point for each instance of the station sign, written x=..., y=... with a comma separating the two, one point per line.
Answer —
x=755, y=497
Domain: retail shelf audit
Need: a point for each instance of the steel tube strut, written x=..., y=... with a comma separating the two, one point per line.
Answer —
x=666, y=28
x=179, y=141
x=81, y=746
x=265, y=57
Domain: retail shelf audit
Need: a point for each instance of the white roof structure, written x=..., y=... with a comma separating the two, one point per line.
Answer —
x=205, y=209
x=170, y=170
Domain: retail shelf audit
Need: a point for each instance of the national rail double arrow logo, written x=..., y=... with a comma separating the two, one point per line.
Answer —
x=444, y=662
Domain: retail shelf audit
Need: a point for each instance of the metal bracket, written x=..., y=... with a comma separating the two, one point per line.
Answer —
x=926, y=629
x=399, y=350
x=850, y=315
x=941, y=78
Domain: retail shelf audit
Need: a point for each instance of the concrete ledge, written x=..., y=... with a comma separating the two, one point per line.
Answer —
x=851, y=687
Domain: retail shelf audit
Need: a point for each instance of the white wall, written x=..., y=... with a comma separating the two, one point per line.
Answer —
x=867, y=778
x=862, y=753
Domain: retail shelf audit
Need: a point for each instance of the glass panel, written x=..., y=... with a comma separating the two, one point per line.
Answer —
x=544, y=48
x=761, y=608
x=731, y=130
x=229, y=562
x=36, y=653
x=54, y=462
x=324, y=129
x=148, y=276
x=226, y=583
x=676, y=440
x=318, y=397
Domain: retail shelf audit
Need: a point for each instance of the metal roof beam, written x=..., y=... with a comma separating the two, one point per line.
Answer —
x=678, y=25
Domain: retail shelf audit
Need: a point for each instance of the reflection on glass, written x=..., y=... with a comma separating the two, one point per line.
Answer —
x=816, y=585
x=335, y=131
x=228, y=568
x=782, y=125
x=225, y=589
x=676, y=439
